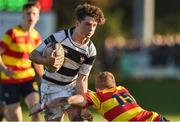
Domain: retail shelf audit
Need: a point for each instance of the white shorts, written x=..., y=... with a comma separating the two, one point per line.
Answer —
x=51, y=91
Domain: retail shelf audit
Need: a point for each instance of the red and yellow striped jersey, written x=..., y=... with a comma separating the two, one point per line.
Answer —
x=18, y=45
x=116, y=104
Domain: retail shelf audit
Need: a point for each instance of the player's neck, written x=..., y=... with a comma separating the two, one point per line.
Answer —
x=27, y=27
x=78, y=38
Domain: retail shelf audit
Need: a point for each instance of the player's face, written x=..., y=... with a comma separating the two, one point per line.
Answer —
x=31, y=15
x=87, y=26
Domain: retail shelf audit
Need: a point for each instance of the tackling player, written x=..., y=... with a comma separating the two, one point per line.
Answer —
x=114, y=103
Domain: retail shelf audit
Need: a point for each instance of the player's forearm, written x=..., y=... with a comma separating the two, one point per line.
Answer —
x=77, y=100
x=50, y=104
x=73, y=100
x=36, y=57
x=56, y=102
x=3, y=67
x=39, y=69
x=82, y=84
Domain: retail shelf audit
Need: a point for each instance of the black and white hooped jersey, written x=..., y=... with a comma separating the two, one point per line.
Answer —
x=78, y=58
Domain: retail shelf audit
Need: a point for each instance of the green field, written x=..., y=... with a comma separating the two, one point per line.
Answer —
x=97, y=117
x=160, y=96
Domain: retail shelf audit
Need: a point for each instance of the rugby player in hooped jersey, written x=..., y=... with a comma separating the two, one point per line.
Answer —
x=16, y=70
x=80, y=54
x=114, y=103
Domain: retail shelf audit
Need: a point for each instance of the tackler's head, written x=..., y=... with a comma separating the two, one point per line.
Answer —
x=105, y=80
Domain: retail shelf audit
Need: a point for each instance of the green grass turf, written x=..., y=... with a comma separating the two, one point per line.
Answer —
x=97, y=117
x=160, y=96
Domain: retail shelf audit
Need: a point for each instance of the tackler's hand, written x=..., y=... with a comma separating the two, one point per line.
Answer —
x=86, y=115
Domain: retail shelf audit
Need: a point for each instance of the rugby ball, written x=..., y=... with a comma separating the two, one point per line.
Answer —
x=59, y=51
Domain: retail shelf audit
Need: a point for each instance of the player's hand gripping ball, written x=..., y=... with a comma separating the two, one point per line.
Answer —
x=59, y=52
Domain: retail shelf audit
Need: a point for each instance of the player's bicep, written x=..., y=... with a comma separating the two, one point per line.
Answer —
x=34, y=54
x=41, y=47
x=37, y=57
x=38, y=51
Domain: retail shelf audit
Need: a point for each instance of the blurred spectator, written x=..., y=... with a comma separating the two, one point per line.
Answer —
x=176, y=50
x=133, y=45
x=165, y=50
x=111, y=54
x=158, y=51
x=169, y=51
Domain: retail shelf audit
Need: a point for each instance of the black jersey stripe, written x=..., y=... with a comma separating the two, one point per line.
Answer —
x=46, y=41
x=51, y=38
x=68, y=72
x=74, y=55
x=90, y=60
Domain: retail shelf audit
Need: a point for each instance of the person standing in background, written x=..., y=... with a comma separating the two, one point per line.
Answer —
x=17, y=72
x=80, y=53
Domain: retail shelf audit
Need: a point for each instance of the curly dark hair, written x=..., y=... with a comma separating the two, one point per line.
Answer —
x=90, y=10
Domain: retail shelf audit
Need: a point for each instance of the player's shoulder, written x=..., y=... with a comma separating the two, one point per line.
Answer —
x=91, y=44
x=60, y=35
x=120, y=87
x=92, y=48
x=13, y=29
x=35, y=31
